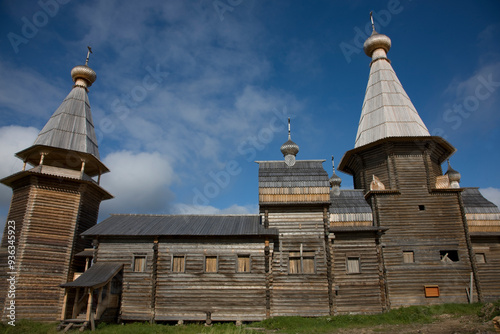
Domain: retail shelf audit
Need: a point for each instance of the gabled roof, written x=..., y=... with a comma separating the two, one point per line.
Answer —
x=180, y=225
x=304, y=173
x=71, y=126
x=474, y=202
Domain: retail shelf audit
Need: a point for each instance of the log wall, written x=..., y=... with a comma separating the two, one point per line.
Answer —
x=489, y=270
x=300, y=228
x=49, y=212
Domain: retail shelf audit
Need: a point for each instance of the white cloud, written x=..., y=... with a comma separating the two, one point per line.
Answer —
x=139, y=181
x=184, y=209
x=492, y=194
x=14, y=139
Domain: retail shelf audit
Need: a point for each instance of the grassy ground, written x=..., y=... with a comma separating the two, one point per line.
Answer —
x=397, y=320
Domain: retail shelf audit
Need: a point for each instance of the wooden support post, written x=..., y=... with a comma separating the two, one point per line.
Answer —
x=74, y=314
x=65, y=302
x=24, y=165
x=89, y=304
x=99, y=309
x=82, y=171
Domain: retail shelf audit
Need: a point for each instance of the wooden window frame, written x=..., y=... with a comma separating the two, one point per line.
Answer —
x=249, y=263
x=137, y=256
x=446, y=253
x=349, y=257
x=481, y=255
x=412, y=256
x=183, y=265
x=301, y=255
x=216, y=264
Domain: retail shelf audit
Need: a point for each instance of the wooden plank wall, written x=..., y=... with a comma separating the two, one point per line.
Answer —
x=44, y=247
x=137, y=292
x=226, y=294
x=438, y=226
x=489, y=272
x=298, y=294
x=356, y=292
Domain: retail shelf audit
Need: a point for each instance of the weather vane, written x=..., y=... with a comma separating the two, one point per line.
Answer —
x=371, y=18
x=88, y=55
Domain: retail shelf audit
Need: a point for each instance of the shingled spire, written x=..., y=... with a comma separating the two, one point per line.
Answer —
x=68, y=139
x=387, y=110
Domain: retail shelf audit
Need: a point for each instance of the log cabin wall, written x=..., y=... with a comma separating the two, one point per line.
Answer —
x=137, y=258
x=233, y=287
x=424, y=225
x=48, y=211
x=357, y=272
x=487, y=252
x=299, y=264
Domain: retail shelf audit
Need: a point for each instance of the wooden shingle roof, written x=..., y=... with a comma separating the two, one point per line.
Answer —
x=349, y=201
x=474, y=202
x=305, y=173
x=180, y=225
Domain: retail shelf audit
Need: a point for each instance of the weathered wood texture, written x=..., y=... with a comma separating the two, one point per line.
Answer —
x=226, y=293
x=137, y=286
x=420, y=220
x=487, y=248
x=306, y=293
x=356, y=292
x=49, y=212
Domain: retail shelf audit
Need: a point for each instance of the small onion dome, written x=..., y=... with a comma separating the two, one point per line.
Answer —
x=453, y=175
x=376, y=41
x=289, y=148
x=335, y=180
x=83, y=72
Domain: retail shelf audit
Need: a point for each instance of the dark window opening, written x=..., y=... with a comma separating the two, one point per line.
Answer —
x=449, y=255
x=421, y=207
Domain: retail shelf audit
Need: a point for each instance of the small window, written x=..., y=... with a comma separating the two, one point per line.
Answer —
x=243, y=264
x=408, y=257
x=449, y=256
x=353, y=265
x=421, y=207
x=178, y=263
x=480, y=258
x=301, y=263
x=211, y=264
x=139, y=265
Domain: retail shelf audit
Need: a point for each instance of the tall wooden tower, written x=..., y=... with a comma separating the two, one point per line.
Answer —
x=427, y=253
x=52, y=203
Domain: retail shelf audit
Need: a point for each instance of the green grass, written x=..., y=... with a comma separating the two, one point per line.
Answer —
x=299, y=325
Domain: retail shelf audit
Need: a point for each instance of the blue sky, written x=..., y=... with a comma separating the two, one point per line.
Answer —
x=190, y=93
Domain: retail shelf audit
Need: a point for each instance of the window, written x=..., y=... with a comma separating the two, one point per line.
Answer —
x=301, y=263
x=449, y=256
x=211, y=264
x=178, y=263
x=480, y=258
x=243, y=264
x=421, y=207
x=353, y=265
x=139, y=264
x=431, y=291
x=408, y=257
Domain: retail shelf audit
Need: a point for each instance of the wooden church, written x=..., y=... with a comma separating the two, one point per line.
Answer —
x=406, y=235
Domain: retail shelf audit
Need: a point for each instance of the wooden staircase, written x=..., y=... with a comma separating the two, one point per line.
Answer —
x=80, y=322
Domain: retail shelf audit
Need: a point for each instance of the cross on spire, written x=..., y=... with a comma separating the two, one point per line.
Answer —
x=88, y=55
x=371, y=19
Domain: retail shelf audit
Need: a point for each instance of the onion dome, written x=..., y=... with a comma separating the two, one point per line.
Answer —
x=83, y=75
x=335, y=180
x=376, y=41
x=289, y=149
x=453, y=176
